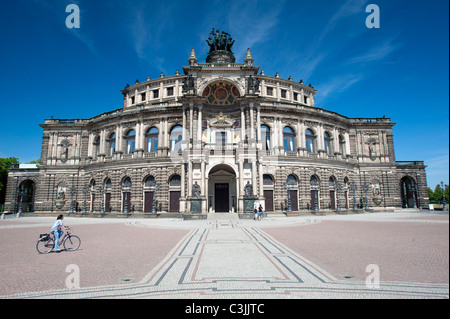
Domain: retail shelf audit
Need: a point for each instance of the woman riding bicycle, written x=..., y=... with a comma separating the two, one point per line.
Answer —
x=57, y=230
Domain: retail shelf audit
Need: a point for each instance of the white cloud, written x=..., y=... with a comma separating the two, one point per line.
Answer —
x=376, y=53
x=336, y=85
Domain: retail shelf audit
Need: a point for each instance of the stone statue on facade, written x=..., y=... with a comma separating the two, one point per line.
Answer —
x=253, y=85
x=248, y=190
x=196, y=191
x=188, y=83
x=220, y=47
x=219, y=41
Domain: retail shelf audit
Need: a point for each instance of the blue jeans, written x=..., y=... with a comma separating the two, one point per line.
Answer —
x=58, y=235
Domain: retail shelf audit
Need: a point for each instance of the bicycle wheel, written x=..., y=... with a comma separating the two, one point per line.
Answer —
x=72, y=243
x=45, y=246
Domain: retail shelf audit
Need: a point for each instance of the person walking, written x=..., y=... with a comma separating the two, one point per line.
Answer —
x=57, y=230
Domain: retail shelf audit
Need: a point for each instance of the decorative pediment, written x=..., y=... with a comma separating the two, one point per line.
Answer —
x=221, y=121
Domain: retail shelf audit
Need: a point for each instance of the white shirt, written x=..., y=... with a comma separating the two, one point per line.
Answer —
x=56, y=225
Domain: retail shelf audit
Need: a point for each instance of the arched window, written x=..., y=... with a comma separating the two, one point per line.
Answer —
x=291, y=180
x=150, y=181
x=310, y=141
x=175, y=138
x=327, y=143
x=130, y=139
x=175, y=180
x=112, y=144
x=288, y=139
x=152, y=140
x=267, y=180
x=265, y=137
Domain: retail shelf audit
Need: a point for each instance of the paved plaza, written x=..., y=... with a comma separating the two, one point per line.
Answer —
x=371, y=255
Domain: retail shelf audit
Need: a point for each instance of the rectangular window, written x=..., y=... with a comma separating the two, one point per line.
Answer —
x=155, y=94
x=143, y=96
x=270, y=91
x=283, y=93
x=295, y=96
x=305, y=99
x=132, y=100
x=170, y=91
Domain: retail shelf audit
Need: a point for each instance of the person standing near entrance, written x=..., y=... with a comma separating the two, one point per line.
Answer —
x=260, y=212
x=57, y=230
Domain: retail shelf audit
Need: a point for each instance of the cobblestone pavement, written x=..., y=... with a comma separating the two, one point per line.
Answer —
x=333, y=256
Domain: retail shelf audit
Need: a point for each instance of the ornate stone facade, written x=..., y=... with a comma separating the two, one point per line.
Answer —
x=193, y=142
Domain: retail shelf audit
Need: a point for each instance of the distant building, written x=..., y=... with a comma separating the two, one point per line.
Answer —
x=212, y=139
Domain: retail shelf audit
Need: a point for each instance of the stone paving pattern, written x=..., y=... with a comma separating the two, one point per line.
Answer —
x=226, y=257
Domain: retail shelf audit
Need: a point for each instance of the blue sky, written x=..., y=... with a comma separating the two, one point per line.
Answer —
x=400, y=70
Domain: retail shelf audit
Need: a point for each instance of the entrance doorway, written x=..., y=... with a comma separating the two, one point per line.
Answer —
x=408, y=192
x=222, y=189
x=222, y=196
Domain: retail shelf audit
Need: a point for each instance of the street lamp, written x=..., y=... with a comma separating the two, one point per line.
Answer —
x=101, y=191
x=353, y=188
x=85, y=191
x=365, y=188
x=338, y=188
x=288, y=189
x=315, y=186
x=154, y=199
x=126, y=187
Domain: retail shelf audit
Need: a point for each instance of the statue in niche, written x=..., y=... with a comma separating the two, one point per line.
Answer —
x=248, y=190
x=196, y=191
x=253, y=84
x=65, y=150
x=188, y=83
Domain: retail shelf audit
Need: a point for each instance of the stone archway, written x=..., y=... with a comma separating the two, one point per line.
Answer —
x=26, y=196
x=222, y=190
x=408, y=191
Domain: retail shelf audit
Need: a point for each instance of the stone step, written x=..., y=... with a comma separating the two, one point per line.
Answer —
x=227, y=216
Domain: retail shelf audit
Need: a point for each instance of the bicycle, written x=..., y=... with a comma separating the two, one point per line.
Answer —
x=46, y=242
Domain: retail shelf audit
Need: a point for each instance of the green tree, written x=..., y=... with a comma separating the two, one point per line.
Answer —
x=38, y=161
x=5, y=164
x=430, y=194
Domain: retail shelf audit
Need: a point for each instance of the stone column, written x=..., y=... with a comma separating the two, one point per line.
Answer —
x=199, y=126
x=242, y=124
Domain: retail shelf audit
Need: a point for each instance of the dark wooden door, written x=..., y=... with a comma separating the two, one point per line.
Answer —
x=126, y=196
x=108, y=202
x=294, y=200
x=148, y=202
x=332, y=200
x=313, y=199
x=268, y=195
x=222, y=198
x=174, y=205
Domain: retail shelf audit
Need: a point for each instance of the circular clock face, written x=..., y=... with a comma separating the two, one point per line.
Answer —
x=221, y=93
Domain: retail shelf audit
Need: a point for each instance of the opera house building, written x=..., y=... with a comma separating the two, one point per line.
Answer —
x=220, y=136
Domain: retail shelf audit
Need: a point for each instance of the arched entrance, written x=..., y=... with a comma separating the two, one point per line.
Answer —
x=222, y=189
x=25, y=200
x=408, y=190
